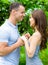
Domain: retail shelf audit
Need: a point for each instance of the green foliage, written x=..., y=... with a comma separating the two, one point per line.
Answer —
x=4, y=13
x=5, y=1
x=22, y=56
x=44, y=55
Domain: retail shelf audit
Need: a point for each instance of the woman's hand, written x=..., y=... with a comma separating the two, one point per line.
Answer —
x=24, y=39
x=27, y=35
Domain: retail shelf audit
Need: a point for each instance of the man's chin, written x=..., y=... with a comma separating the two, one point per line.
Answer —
x=20, y=20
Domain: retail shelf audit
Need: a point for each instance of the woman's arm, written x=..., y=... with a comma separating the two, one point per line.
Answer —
x=34, y=41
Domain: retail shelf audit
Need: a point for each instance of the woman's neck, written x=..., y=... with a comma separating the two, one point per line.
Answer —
x=36, y=30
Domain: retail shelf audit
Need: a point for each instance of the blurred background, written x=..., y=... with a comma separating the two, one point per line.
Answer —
x=24, y=27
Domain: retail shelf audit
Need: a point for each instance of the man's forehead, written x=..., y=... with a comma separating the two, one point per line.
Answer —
x=21, y=7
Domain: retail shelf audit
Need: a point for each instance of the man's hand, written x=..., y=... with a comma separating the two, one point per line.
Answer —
x=21, y=42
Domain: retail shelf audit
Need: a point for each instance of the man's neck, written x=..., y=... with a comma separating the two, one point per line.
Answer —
x=12, y=20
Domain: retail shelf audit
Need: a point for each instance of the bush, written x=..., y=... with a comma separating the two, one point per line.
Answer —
x=22, y=56
x=44, y=56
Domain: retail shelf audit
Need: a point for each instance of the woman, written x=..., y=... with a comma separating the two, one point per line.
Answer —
x=37, y=40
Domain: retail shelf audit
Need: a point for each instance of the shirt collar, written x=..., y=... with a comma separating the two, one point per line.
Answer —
x=12, y=25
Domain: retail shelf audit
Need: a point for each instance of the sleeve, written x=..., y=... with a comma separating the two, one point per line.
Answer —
x=4, y=36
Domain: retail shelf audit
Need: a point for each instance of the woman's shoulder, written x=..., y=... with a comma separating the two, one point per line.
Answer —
x=36, y=37
x=38, y=34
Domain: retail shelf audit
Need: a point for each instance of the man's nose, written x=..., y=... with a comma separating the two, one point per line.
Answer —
x=23, y=14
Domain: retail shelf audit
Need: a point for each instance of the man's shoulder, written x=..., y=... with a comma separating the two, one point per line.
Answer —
x=4, y=28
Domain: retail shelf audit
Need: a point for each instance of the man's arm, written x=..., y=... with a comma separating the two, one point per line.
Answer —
x=5, y=49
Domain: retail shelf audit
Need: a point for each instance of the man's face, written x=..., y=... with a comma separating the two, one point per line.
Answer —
x=20, y=13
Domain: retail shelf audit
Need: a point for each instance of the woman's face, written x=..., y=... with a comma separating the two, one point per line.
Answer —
x=32, y=21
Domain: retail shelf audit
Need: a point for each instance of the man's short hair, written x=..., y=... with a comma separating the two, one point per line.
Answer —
x=14, y=6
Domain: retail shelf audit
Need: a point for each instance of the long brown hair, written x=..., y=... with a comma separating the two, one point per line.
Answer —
x=41, y=23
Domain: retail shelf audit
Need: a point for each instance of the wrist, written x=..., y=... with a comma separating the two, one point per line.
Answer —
x=23, y=38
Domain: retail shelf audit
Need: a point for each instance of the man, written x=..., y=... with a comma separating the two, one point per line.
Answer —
x=9, y=42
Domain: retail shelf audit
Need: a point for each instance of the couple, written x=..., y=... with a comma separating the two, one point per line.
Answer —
x=10, y=39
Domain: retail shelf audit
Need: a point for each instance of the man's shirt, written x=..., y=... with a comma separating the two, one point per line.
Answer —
x=9, y=33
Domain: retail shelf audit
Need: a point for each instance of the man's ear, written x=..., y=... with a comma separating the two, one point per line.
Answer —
x=14, y=11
